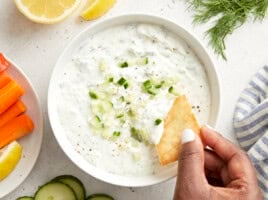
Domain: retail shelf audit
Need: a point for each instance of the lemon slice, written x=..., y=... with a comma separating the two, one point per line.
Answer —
x=96, y=8
x=47, y=11
x=9, y=158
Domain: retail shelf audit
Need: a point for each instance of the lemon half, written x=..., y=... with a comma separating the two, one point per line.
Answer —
x=96, y=8
x=47, y=11
x=9, y=158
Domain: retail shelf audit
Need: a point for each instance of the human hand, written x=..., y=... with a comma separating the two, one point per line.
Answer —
x=225, y=172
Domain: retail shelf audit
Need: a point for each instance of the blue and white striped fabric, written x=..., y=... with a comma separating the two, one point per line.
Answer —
x=251, y=124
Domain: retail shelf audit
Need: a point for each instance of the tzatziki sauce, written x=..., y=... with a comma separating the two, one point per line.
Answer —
x=117, y=89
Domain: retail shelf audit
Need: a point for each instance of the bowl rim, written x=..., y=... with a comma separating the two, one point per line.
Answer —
x=130, y=17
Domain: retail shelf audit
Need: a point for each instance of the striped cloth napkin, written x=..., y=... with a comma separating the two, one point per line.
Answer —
x=251, y=124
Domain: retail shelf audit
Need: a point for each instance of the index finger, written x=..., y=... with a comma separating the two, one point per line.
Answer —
x=238, y=164
x=223, y=147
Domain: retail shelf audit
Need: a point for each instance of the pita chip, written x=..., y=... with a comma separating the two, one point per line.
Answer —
x=179, y=118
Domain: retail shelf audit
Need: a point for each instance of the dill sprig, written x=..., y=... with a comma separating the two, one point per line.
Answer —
x=227, y=15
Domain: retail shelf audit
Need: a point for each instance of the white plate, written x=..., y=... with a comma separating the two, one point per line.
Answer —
x=167, y=172
x=31, y=144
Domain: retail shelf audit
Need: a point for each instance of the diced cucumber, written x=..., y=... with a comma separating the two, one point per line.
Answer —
x=142, y=61
x=74, y=183
x=55, y=191
x=106, y=134
x=157, y=122
x=123, y=64
x=99, y=197
x=93, y=95
x=173, y=91
x=104, y=106
x=103, y=66
x=96, y=123
x=135, y=134
x=136, y=157
x=139, y=135
x=25, y=198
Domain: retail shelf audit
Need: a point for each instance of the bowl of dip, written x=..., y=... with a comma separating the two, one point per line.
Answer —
x=112, y=88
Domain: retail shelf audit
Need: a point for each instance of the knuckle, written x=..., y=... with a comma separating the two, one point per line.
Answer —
x=242, y=156
x=192, y=154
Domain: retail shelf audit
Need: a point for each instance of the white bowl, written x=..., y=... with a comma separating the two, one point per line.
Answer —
x=196, y=46
x=31, y=144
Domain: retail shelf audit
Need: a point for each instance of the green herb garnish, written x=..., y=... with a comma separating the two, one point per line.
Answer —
x=146, y=60
x=131, y=113
x=135, y=134
x=98, y=118
x=148, y=87
x=123, y=64
x=120, y=116
x=116, y=133
x=171, y=89
x=122, y=98
x=111, y=104
x=122, y=81
x=157, y=122
x=111, y=79
x=126, y=85
x=152, y=91
x=158, y=86
x=228, y=16
x=93, y=95
x=147, y=84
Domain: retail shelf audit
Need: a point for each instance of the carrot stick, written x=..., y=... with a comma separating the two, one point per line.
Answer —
x=15, y=129
x=4, y=79
x=9, y=95
x=12, y=112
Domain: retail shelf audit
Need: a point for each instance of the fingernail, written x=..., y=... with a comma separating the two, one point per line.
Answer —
x=209, y=127
x=187, y=136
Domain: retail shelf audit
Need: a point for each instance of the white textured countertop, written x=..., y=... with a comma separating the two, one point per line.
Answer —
x=35, y=48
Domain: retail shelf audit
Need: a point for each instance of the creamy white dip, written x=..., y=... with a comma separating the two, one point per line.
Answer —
x=117, y=89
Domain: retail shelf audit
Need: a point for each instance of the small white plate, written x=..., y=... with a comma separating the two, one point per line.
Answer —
x=31, y=144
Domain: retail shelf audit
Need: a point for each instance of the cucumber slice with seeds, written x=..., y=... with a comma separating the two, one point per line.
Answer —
x=74, y=183
x=55, y=191
x=25, y=198
x=99, y=197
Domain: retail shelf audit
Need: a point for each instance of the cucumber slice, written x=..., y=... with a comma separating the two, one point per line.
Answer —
x=55, y=191
x=99, y=197
x=25, y=198
x=74, y=183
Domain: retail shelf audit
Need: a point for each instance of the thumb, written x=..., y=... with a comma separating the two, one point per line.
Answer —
x=191, y=160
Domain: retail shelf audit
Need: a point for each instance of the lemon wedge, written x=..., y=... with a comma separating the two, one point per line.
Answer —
x=96, y=8
x=47, y=11
x=9, y=158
